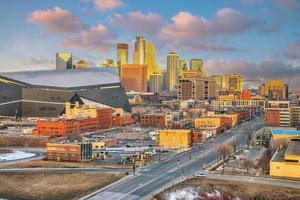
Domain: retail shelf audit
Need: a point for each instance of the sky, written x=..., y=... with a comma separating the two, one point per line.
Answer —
x=260, y=39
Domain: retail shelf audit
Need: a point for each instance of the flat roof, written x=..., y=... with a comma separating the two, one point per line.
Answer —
x=65, y=78
x=293, y=148
x=285, y=132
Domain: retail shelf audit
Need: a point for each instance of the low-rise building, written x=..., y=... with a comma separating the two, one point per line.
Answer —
x=74, y=152
x=76, y=120
x=286, y=161
x=214, y=124
x=157, y=120
x=175, y=138
x=275, y=108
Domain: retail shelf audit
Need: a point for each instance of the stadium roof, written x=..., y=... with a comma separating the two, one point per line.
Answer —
x=285, y=132
x=66, y=78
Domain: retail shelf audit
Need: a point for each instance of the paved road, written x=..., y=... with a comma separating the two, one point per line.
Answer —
x=256, y=180
x=151, y=178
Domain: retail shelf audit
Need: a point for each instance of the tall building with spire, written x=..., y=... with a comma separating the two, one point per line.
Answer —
x=172, y=71
x=150, y=59
x=64, y=61
x=139, y=51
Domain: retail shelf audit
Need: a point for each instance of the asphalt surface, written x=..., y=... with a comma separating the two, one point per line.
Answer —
x=152, y=178
x=256, y=180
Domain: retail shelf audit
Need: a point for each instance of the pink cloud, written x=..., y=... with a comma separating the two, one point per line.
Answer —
x=96, y=39
x=104, y=5
x=226, y=22
x=138, y=22
x=56, y=20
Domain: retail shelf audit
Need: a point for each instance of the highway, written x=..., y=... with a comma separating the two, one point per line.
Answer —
x=150, y=179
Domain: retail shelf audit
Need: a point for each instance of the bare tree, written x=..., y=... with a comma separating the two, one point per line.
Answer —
x=225, y=151
x=264, y=161
x=73, y=136
x=247, y=164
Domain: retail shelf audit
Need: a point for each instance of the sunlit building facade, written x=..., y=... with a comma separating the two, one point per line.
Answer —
x=172, y=71
x=64, y=61
x=150, y=59
x=122, y=54
x=81, y=64
x=274, y=90
x=196, y=65
x=156, y=82
x=139, y=50
x=134, y=77
x=219, y=82
x=233, y=82
x=196, y=88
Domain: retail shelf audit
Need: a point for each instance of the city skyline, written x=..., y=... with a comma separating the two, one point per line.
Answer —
x=253, y=38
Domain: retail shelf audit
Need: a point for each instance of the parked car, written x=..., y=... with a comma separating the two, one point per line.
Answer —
x=200, y=175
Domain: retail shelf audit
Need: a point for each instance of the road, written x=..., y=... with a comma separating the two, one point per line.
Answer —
x=256, y=180
x=150, y=179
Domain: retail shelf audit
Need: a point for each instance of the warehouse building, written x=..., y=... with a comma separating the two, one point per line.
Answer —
x=44, y=93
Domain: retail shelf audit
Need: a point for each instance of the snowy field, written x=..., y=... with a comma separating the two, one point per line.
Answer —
x=15, y=155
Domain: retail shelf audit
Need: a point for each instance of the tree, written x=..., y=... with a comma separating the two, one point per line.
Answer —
x=247, y=164
x=264, y=161
x=74, y=136
x=224, y=151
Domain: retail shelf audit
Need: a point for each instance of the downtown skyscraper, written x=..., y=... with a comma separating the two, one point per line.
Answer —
x=172, y=71
x=139, y=50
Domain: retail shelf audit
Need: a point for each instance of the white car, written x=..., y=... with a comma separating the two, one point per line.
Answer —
x=200, y=175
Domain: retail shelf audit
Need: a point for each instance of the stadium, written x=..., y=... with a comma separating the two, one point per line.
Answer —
x=44, y=93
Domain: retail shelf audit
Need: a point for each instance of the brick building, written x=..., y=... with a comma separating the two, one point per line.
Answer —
x=74, y=152
x=153, y=120
x=62, y=127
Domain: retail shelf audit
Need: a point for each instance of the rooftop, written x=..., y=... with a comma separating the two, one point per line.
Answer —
x=293, y=148
x=66, y=78
x=285, y=132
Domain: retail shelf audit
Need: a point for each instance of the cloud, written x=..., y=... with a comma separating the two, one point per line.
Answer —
x=56, y=20
x=200, y=34
x=106, y=5
x=282, y=4
x=226, y=22
x=292, y=50
x=36, y=61
x=138, y=22
x=96, y=39
x=267, y=69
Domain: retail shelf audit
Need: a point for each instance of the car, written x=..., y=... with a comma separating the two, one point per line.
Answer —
x=200, y=175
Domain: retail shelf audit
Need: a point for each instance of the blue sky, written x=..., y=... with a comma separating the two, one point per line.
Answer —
x=257, y=38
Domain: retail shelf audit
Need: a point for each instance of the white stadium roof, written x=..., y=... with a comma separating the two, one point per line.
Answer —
x=68, y=78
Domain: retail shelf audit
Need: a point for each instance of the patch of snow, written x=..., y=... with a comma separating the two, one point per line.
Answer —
x=188, y=193
x=15, y=155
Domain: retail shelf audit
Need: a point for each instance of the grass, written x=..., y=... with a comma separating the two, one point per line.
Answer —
x=51, y=186
x=244, y=191
x=55, y=164
x=5, y=151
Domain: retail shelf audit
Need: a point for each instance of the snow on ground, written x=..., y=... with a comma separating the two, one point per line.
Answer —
x=15, y=155
x=188, y=193
x=195, y=193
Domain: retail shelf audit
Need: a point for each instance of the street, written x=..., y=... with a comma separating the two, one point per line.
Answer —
x=150, y=179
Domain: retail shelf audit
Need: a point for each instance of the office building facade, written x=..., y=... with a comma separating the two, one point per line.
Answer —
x=172, y=71
x=64, y=61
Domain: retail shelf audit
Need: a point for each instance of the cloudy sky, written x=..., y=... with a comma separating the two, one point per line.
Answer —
x=258, y=38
